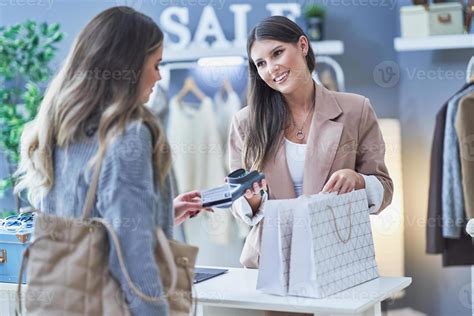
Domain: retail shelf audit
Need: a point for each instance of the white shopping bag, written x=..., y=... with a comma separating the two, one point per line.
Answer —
x=274, y=264
x=275, y=248
x=332, y=247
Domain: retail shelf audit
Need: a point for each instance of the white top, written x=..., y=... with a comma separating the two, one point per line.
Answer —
x=295, y=157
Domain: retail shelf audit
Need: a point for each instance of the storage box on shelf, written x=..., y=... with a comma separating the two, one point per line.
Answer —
x=436, y=19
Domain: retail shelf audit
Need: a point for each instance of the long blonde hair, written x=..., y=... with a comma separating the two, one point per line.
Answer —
x=98, y=81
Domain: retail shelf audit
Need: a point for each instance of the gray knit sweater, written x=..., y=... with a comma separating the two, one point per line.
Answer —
x=127, y=197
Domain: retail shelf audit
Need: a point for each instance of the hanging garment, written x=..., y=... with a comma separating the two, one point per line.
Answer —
x=455, y=252
x=195, y=144
x=434, y=233
x=197, y=159
x=465, y=133
x=158, y=104
x=452, y=194
x=225, y=110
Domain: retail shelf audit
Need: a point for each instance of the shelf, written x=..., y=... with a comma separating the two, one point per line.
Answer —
x=434, y=42
x=328, y=47
x=194, y=53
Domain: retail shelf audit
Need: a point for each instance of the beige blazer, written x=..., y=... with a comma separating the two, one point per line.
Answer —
x=465, y=132
x=344, y=134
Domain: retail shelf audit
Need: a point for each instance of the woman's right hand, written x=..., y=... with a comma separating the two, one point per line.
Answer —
x=187, y=205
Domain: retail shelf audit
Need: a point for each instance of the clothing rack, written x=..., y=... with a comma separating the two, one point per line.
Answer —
x=331, y=62
x=168, y=67
x=337, y=70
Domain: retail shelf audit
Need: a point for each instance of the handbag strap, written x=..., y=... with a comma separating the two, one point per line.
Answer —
x=168, y=256
x=344, y=241
x=91, y=193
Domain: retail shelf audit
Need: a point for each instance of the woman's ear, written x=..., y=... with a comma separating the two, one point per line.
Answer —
x=303, y=44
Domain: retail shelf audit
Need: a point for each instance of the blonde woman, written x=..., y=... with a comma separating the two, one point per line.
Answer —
x=94, y=108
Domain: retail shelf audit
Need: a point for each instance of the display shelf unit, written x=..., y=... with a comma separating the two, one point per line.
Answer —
x=194, y=53
x=461, y=41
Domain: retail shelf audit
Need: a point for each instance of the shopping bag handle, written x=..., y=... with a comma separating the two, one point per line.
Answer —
x=344, y=241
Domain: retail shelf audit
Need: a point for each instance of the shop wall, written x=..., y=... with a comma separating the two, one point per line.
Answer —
x=435, y=290
x=427, y=80
x=353, y=23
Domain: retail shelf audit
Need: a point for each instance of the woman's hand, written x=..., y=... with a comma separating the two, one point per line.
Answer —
x=253, y=196
x=186, y=205
x=256, y=188
x=344, y=181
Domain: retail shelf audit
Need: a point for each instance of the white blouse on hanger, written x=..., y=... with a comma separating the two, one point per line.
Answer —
x=197, y=160
x=195, y=144
x=225, y=110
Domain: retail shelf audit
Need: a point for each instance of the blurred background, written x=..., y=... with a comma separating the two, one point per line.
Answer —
x=408, y=58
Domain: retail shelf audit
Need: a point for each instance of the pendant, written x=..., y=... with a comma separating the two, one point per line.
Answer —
x=300, y=135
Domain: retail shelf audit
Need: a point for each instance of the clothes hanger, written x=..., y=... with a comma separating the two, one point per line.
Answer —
x=226, y=87
x=190, y=86
x=470, y=71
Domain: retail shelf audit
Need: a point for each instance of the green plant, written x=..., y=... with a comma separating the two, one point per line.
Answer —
x=26, y=50
x=314, y=10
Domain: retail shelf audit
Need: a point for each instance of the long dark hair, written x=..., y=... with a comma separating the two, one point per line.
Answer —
x=268, y=110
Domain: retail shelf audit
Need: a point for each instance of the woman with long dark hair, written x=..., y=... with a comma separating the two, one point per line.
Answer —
x=305, y=138
x=94, y=109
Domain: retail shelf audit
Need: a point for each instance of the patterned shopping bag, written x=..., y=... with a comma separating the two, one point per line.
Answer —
x=278, y=226
x=273, y=272
x=331, y=245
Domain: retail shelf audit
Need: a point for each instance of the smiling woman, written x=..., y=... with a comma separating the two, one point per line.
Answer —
x=282, y=60
x=297, y=132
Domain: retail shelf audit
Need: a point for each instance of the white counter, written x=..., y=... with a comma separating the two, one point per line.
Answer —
x=234, y=293
x=237, y=290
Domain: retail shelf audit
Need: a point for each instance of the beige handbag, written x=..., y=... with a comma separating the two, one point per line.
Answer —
x=68, y=270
